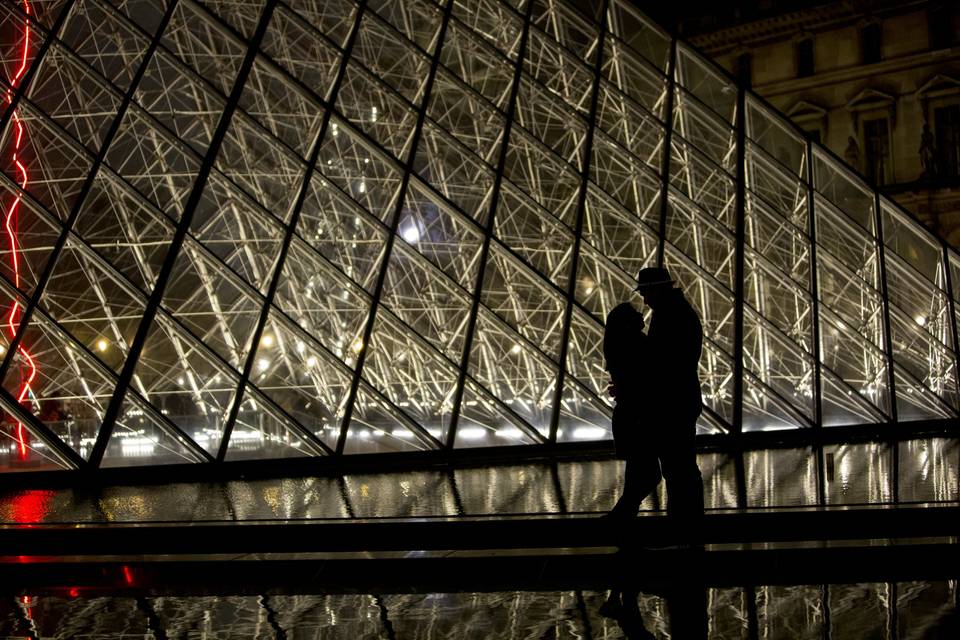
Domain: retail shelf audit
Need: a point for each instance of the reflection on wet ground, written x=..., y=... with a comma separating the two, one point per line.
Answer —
x=850, y=474
x=917, y=610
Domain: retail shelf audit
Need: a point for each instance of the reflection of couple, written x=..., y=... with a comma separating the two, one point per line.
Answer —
x=655, y=381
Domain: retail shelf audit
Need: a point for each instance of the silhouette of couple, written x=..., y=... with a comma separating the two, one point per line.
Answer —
x=654, y=379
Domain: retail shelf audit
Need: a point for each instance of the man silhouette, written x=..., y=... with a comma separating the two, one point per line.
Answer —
x=675, y=340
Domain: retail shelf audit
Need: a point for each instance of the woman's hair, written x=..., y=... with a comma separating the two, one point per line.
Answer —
x=622, y=321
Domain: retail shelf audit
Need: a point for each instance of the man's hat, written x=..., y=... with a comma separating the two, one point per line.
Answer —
x=652, y=277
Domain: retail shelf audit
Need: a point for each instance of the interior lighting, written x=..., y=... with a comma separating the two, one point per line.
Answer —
x=472, y=433
x=267, y=340
x=515, y=349
x=102, y=344
x=921, y=320
x=589, y=433
x=410, y=233
x=312, y=361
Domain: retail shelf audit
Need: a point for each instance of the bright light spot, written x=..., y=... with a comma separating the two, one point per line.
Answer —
x=357, y=345
x=515, y=349
x=589, y=433
x=472, y=433
x=312, y=361
x=402, y=433
x=336, y=129
x=102, y=344
x=363, y=186
x=510, y=432
x=2, y=348
x=410, y=233
x=373, y=114
x=180, y=380
x=267, y=340
x=301, y=347
x=262, y=364
x=921, y=320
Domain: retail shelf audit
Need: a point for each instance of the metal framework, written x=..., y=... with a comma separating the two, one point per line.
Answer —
x=270, y=229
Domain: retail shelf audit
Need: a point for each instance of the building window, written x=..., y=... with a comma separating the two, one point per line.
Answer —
x=870, y=41
x=876, y=148
x=940, y=17
x=805, y=58
x=947, y=123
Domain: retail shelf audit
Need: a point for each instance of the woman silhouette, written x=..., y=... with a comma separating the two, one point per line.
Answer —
x=625, y=352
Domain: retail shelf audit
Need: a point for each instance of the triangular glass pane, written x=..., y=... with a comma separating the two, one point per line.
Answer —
x=301, y=377
x=376, y=109
x=716, y=381
x=325, y=303
x=375, y=427
x=125, y=228
x=763, y=410
x=619, y=234
x=625, y=178
x=601, y=285
x=105, y=316
x=842, y=405
x=513, y=371
x=467, y=117
x=34, y=224
x=450, y=168
x=585, y=360
x=140, y=437
x=411, y=374
x=263, y=432
x=486, y=423
x=20, y=448
x=69, y=390
x=708, y=423
x=521, y=299
x=303, y=53
x=185, y=382
x=217, y=308
x=550, y=181
x=582, y=416
x=915, y=402
x=477, y=63
x=630, y=125
x=860, y=363
x=429, y=302
x=534, y=234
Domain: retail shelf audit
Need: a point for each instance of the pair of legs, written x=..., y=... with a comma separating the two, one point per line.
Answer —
x=673, y=457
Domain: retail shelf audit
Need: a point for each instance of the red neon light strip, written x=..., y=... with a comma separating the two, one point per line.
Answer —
x=11, y=225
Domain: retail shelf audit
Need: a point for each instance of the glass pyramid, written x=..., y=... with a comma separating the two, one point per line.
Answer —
x=266, y=229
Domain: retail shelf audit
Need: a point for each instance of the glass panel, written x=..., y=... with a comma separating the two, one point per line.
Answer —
x=178, y=100
x=396, y=62
x=418, y=20
x=623, y=177
x=477, y=63
x=467, y=117
x=22, y=450
x=141, y=437
x=909, y=240
x=376, y=110
x=301, y=51
x=377, y=427
x=262, y=432
x=634, y=76
x=777, y=136
x=73, y=97
x=585, y=360
x=548, y=180
x=332, y=18
x=210, y=53
x=238, y=231
x=342, y=232
x=785, y=194
x=325, y=303
x=842, y=405
x=703, y=182
x=105, y=41
x=359, y=169
x=857, y=473
x=36, y=234
x=708, y=83
x=53, y=164
x=494, y=21
x=845, y=190
x=215, y=306
x=928, y=470
x=861, y=364
x=157, y=165
x=711, y=299
x=301, y=377
x=411, y=374
x=635, y=29
x=630, y=125
x=93, y=305
x=60, y=383
x=242, y=17
x=781, y=477
x=533, y=233
x=601, y=285
x=558, y=127
x=185, y=383
x=485, y=422
x=430, y=303
x=567, y=26
x=582, y=416
x=513, y=371
x=455, y=172
x=125, y=229
x=516, y=295
x=562, y=74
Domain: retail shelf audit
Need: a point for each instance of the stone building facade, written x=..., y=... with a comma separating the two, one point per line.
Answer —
x=878, y=82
